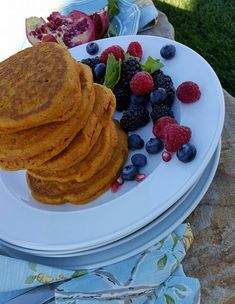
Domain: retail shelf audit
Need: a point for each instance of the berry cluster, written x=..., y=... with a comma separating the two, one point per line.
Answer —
x=143, y=94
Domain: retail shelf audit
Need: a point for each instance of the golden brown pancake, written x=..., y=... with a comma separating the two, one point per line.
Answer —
x=95, y=161
x=32, y=147
x=80, y=193
x=82, y=144
x=38, y=86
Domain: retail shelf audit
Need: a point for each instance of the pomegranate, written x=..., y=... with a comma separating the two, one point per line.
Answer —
x=81, y=29
x=100, y=20
x=71, y=30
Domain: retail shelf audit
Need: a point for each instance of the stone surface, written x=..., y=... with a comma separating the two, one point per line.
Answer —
x=212, y=256
x=163, y=28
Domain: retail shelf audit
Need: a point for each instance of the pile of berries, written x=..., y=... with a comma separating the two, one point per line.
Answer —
x=143, y=96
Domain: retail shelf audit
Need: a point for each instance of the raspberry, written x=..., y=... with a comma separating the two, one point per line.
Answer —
x=141, y=83
x=158, y=129
x=135, y=49
x=116, y=50
x=188, y=92
x=175, y=136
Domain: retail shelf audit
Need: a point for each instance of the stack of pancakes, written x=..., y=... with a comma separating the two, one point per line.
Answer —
x=56, y=123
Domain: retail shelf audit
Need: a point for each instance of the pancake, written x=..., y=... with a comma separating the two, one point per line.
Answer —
x=32, y=147
x=95, y=161
x=80, y=193
x=82, y=144
x=37, y=86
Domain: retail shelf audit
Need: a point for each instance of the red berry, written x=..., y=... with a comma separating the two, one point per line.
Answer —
x=116, y=50
x=139, y=177
x=158, y=128
x=188, y=92
x=175, y=136
x=166, y=156
x=141, y=83
x=120, y=181
x=115, y=186
x=135, y=49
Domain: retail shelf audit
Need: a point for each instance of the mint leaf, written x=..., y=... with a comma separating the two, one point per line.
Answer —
x=113, y=72
x=162, y=262
x=113, y=8
x=152, y=65
x=112, y=31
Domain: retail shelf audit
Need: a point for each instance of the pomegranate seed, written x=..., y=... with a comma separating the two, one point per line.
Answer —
x=58, y=21
x=43, y=29
x=51, y=25
x=33, y=33
x=139, y=177
x=59, y=29
x=115, y=186
x=38, y=30
x=120, y=181
x=39, y=36
x=166, y=156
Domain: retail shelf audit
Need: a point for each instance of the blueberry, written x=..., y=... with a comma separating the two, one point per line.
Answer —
x=92, y=48
x=129, y=172
x=154, y=145
x=139, y=160
x=186, y=153
x=135, y=142
x=99, y=71
x=168, y=51
x=138, y=100
x=158, y=96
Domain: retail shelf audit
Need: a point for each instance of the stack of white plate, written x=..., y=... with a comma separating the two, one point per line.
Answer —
x=116, y=226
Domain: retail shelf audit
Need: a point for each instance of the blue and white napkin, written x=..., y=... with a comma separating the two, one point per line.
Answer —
x=155, y=276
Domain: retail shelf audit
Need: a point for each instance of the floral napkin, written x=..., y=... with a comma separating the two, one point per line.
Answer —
x=155, y=276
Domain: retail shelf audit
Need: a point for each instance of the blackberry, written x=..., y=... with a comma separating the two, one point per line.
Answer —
x=130, y=67
x=91, y=62
x=134, y=118
x=164, y=81
x=122, y=95
x=159, y=111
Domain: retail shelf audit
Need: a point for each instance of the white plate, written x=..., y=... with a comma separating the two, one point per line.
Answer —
x=70, y=253
x=142, y=240
x=29, y=224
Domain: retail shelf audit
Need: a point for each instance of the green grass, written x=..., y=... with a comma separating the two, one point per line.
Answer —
x=208, y=27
